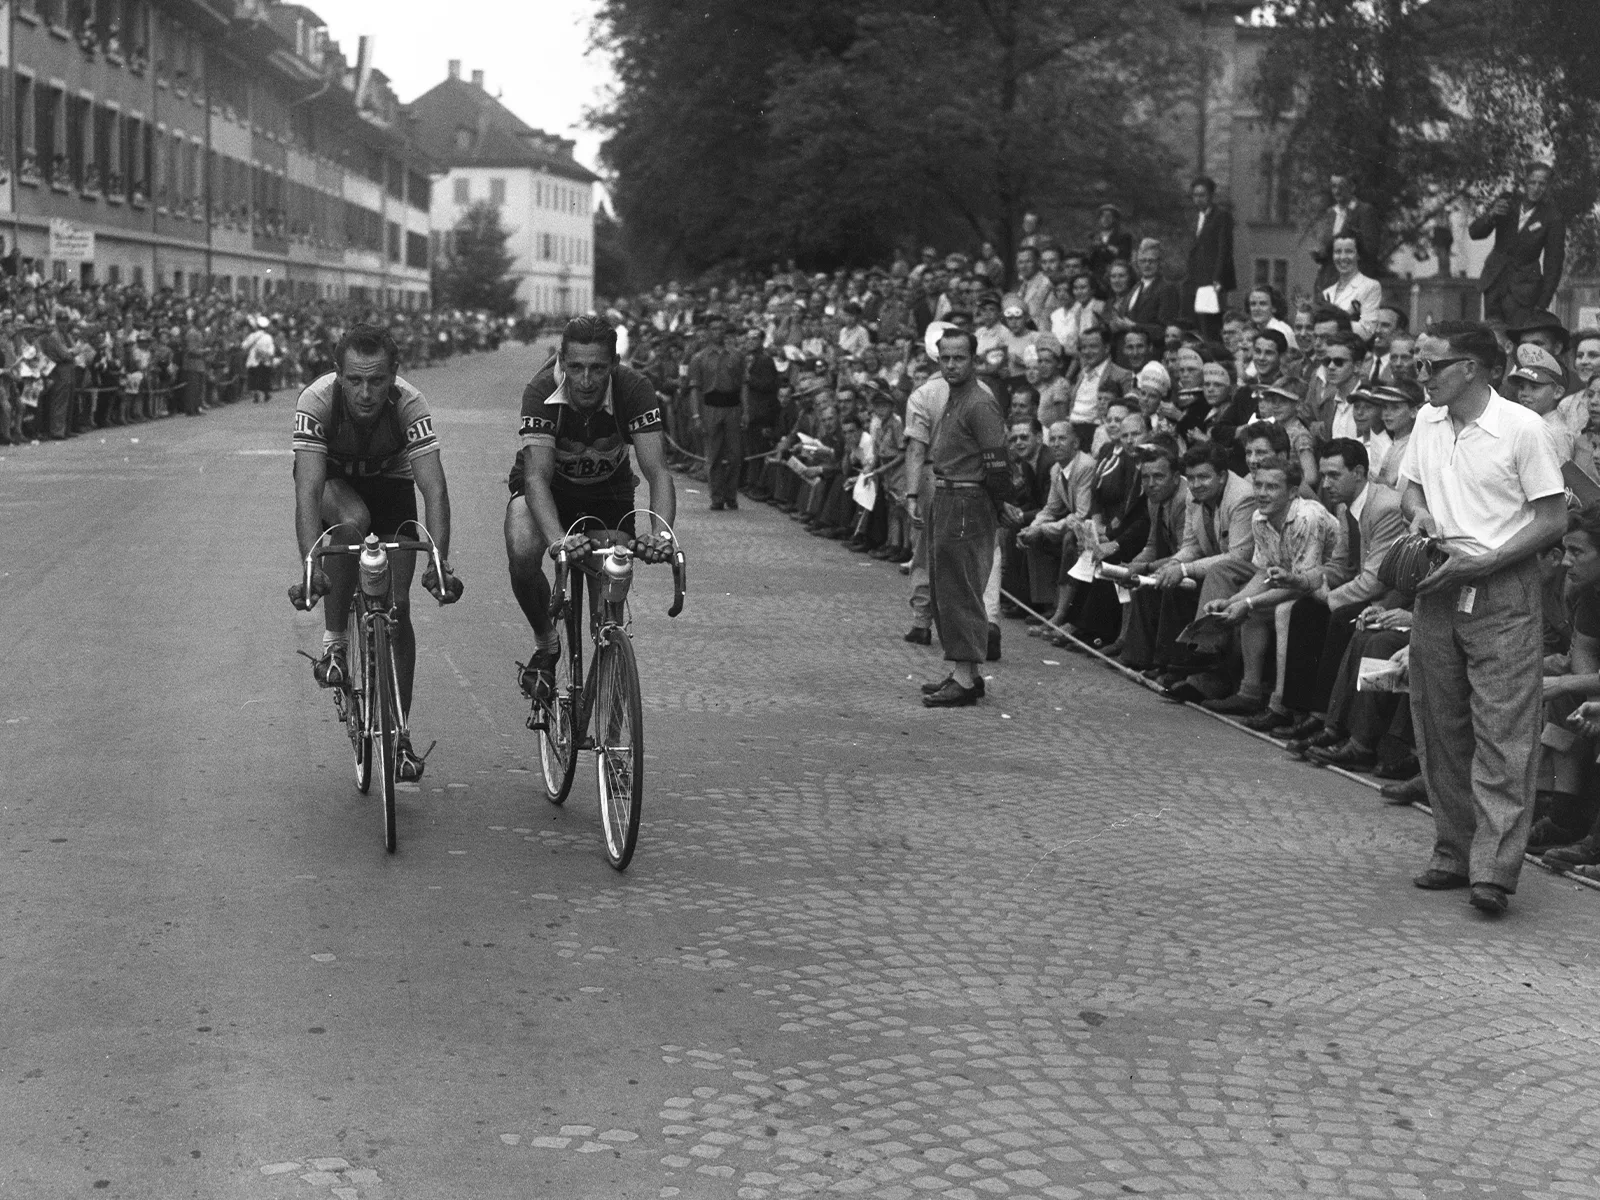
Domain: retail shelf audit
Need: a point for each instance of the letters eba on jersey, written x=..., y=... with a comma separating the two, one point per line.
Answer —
x=596, y=450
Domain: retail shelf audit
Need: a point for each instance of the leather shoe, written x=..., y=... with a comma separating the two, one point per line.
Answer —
x=1328, y=737
x=1404, y=768
x=929, y=689
x=1236, y=705
x=919, y=635
x=1489, y=898
x=1152, y=673
x=1580, y=854
x=1267, y=721
x=952, y=695
x=992, y=651
x=1307, y=727
x=1546, y=835
x=1409, y=791
x=1184, y=693
x=1347, y=755
x=1435, y=880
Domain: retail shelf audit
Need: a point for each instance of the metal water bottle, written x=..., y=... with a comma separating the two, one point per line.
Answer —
x=374, y=568
x=616, y=569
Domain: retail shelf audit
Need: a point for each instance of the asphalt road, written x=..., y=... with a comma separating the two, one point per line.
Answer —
x=1073, y=943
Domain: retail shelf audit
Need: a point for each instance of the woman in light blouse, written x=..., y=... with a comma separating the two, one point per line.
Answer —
x=1352, y=291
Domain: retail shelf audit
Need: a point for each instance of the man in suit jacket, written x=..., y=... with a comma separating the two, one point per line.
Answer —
x=1347, y=215
x=1314, y=635
x=1210, y=257
x=1530, y=242
x=1111, y=242
x=1151, y=300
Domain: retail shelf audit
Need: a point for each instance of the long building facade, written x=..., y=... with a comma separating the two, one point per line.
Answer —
x=195, y=144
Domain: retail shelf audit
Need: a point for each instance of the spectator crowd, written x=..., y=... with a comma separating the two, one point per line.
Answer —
x=1205, y=480
x=75, y=359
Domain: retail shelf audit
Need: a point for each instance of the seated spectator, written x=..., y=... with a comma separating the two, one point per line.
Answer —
x=1055, y=394
x=1398, y=402
x=1278, y=405
x=1049, y=539
x=1293, y=539
x=1328, y=399
x=1030, y=461
x=1079, y=310
x=1368, y=412
x=1570, y=687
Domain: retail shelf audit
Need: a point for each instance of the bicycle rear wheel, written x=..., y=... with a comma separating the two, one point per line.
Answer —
x=383, y=706
x=558, y=756
x=619, y=746
x=356, y=692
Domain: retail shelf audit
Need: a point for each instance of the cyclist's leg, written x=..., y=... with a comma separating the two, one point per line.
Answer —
x=525, y=555
x=342, y=506
x=402, y=566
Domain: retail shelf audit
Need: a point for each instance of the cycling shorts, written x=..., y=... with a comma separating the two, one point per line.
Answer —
x=390, y=503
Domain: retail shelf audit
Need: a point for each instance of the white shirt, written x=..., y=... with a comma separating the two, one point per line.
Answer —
x=1344, y=419
x=1086, y=400
x=1480, y=484
x=1560, y=433
x=1377, y=445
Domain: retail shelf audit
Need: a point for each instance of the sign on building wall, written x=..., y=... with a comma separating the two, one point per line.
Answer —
x=72, y=242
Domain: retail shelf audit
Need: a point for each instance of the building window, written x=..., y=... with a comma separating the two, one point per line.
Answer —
x=497, y=192
x=27, y=149
x=1272, y=272
x=56, y=121
x=463, y=191
x=463, y=138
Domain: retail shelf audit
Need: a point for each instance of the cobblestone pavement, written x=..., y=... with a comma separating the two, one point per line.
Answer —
x=1072, y=943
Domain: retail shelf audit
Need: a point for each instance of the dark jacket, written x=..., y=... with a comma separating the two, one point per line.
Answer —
x=1211, y=256
x=1526, y=263
x=1155, y=303
x=1362, y=221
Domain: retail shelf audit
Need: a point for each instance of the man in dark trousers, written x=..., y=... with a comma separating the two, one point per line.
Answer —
x=1530, y=242
x=716, y=389
x=1346, y=216
x=761, y=383
x=58, y=390
x=970, y=482
x=1210, y=258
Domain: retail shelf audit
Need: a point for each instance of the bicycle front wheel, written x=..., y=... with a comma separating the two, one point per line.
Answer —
x=558, y=735
x=357, y=689
x=619, y=746
x=385, y=725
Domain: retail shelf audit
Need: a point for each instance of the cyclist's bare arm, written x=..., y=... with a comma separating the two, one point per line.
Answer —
x=538, y=469
x=310, y=477
x=649, y=451
x=429, y=473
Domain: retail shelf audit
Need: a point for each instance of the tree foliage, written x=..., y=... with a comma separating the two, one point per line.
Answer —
x=1427, y=103
x=476, y=269
x=835, y=131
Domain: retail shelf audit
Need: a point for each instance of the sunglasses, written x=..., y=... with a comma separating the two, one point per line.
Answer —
x=1429, y=366
x=1331, y=361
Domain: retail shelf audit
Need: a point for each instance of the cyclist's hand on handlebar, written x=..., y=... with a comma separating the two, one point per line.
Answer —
x=657, y=549
x=574, y=544
x=452, y=589
x=319, y=587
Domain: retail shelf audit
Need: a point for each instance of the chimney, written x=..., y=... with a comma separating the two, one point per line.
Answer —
x=477, y=80
x=455, y=68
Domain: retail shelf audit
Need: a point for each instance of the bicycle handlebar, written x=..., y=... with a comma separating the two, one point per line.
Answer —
x=319, y=552
x=605, y=539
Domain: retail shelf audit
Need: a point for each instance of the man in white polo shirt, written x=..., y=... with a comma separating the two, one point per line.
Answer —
x=1482, y=473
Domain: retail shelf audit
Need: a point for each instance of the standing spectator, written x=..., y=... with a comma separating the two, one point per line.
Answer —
x=1480, y=472
x=259, y=353
x=56, y=402
x=971, y=481
x=1034, y=288
x=1347, y=215
x=1352, y=291
x=1111, y=242
x=1210, y=258
x=1151, y=300
x=761, y=383
x=193, y=370
x=1530, y=243
x=716, y=384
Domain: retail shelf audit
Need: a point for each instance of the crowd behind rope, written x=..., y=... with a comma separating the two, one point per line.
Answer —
x=75, y=359
x=1166, y=466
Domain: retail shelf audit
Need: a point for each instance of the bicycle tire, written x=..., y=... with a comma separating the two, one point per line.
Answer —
x=355, y=694
x=558, y=740
x=619, y=746
x=385, y=731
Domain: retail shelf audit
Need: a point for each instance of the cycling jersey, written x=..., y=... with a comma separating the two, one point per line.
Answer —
x=402, y=432
x=591, y=449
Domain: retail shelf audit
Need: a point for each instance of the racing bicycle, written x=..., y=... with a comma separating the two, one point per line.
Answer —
x=368, y=701
x=609, y=693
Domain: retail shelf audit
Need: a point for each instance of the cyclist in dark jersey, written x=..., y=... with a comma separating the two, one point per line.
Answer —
x=363, y=445
x=580, y=414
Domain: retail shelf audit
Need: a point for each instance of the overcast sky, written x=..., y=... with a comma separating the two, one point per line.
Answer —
x=534, y=53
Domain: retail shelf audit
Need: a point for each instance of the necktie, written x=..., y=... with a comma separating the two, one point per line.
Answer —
x=1208, y=517
x=1522, y=221
x=1353, y=528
